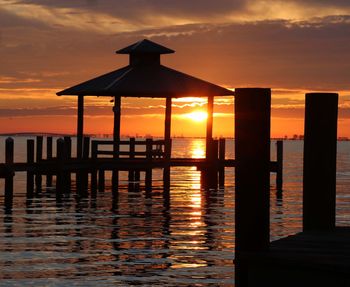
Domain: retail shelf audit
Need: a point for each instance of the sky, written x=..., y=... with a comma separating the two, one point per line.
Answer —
x=290, y=46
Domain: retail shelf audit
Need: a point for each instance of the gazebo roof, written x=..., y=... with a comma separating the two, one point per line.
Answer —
x=145, y=46
x=146, y=77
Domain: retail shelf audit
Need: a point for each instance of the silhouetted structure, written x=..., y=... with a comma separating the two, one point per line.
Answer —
x=145, y=77
x=318, y=256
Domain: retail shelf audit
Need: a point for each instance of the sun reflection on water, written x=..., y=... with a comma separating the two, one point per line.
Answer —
x=197, y=149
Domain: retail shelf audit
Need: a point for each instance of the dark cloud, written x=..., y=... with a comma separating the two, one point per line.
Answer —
x=278, y=54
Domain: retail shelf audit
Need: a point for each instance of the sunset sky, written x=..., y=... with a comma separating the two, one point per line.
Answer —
x=293, y=47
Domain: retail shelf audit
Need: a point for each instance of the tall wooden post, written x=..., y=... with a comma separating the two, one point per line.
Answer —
x=209, y=135
x=222, y=150
x=252, y=172
x=167, y=128
x=9, y=155
x=39, y=157
x=30, y=174
x=116, y=137
x=68, y=154
x=61, y=155
x=320, y=150
x=49, y=157
x=279, y=173
x=80, y=126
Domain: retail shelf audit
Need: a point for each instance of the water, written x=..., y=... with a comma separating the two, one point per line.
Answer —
x=141, y=239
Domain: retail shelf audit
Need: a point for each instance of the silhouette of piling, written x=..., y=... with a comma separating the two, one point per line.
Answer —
x=222, y=151
x=252, y=175
x=49, y=157
x=101, y=180
x=131, y=175
x=93, y=184
x=209, y=134
x=9, y=154
x=39, y=157
x=148, y=175
x=60, y=184
x=68, y=155
x=279, y=172
x=80, y=126
x=30, y=174
x=320, y=148
x=82, y=175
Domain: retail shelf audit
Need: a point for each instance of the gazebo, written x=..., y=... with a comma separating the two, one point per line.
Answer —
x=145, y=77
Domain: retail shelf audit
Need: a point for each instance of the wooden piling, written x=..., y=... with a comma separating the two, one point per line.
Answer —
x=82, y=175
x=49, y=157
x=209, y=135
x=39, y=157
x=252, y=175
x=93, y=186
x=101, y=180
x=131, y=175
x=116, y=138
x=80, y=126
x=279, y=172
x=9, y=155
x=60, y=184
x=68, y=156
x=320, y=149
x=167, y=129
x=222, y=152
x=148, y=176
x=30, y=174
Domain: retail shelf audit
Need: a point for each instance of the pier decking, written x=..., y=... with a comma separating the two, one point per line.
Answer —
x=314, y=258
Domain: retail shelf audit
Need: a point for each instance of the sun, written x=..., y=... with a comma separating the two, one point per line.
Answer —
x=197, y=116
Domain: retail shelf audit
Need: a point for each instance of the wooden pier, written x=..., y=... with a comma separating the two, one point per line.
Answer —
x=318, y=256
x=134, y=156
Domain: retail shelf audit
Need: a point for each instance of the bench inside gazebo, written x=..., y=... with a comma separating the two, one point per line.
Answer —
x=145, y=77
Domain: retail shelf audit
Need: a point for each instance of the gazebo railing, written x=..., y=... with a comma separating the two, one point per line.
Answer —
x=132, y=148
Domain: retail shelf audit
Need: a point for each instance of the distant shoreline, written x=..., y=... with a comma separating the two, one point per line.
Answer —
x=110, y=136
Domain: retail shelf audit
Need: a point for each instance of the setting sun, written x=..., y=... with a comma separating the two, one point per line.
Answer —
x=197, y=116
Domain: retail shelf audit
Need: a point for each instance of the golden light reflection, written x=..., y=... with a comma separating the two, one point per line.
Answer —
x=197, y=149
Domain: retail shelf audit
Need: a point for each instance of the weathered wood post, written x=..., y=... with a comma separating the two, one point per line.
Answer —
x=93, y=186
x=279, y=172
x=30, y=174
x=9, y=155
x=148, y=176
x=68, y=155
x=116, y=138
x=252, y=172
x=167, y=128
x=320, y=150
x=39, y=157
x=80, y=126
x=209, y=135
x=60, y=184
x=222, y=151
x=131, y=176
x=49, y=157
x=83, y=175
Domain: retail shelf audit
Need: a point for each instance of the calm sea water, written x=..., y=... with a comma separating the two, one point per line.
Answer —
x=141, y=239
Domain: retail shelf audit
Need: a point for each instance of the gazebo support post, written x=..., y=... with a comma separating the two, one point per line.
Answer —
x=167, y=128
x=167, y=138
x=80, y=126
x=116, y=137
x=209, y=136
